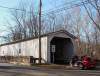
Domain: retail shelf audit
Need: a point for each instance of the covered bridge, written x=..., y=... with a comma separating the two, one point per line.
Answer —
x=56, y=47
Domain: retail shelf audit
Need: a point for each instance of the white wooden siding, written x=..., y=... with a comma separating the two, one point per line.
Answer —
x=28, y=48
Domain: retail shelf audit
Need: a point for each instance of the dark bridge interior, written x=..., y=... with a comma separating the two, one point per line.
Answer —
x=63, y=50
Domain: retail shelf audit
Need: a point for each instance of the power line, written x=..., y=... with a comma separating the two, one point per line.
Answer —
x=52, y=11
x=66, y=8
x=12, y=8
x=66, y=3
x=25, y=10
x=22, y=10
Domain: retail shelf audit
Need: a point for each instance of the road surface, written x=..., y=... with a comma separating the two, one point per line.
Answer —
x=37, y=71
x=46, y=72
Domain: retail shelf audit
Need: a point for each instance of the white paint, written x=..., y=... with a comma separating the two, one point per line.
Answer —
x=50, y=37
x=31, y=47
x=28, y=48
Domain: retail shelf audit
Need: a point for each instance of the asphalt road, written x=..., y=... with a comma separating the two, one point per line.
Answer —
x=37, y=71
x=46, y=72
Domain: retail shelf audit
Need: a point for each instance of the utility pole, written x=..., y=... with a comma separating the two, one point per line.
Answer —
x=40, y=5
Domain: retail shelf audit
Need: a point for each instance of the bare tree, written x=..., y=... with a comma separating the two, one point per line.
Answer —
x=25, y=24
x=95, y=6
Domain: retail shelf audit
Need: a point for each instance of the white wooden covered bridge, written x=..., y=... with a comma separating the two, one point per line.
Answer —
x=56, y=47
